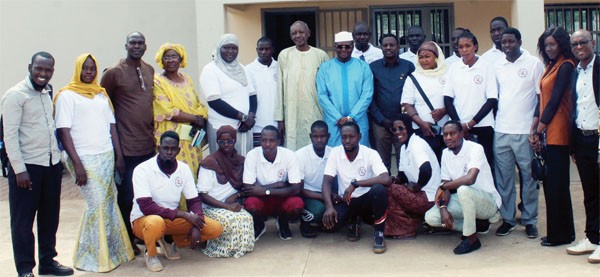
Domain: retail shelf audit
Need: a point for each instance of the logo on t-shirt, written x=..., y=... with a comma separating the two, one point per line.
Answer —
x=522, y=72
x=362, y=171
x=442, y=81
x=178, y=182
x=478, y=79
x=281, y=173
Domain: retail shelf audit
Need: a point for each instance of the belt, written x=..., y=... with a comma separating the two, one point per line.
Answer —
x=588, y=132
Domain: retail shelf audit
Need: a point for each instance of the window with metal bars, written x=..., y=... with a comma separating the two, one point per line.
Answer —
x=575, y=17
x=436, y=21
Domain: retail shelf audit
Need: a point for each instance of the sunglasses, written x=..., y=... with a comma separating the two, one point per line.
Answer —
x=223, y=142
x=397, y=129
x=579, y=43
x=343, y=47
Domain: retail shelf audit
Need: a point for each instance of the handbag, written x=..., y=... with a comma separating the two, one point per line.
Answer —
x=437, y=130
x=539, y=169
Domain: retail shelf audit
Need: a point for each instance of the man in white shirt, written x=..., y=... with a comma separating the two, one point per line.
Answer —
x=262, y=72
x=363, y=49
x=518, y=78
x=585, y=148
x=361, y=177
x=158, y=184
x=312, y=160
x=415, y=37
x=272, y=182
x=497, y=26
x=466, y=200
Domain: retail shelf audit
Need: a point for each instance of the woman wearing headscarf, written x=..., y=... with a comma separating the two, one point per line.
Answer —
x=86, y=129
x=430, y=74
x=231, y=97
x=177, y=106
x=412, y=191
x=219, y=182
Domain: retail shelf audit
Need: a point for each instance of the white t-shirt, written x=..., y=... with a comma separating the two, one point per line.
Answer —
x=366, y=165
x=283, y=169
x=452, y=59
x=217, y=85
x=518, y=86
x=88, y=119
x=165, y=191
x=493, y=55
x=264, y=80
x=207, y=183
x=471, y=87
x=409, y=56
x=312, y=167
x=372, y=54
x=471, y=155
x=412, y=157
x=433, y=88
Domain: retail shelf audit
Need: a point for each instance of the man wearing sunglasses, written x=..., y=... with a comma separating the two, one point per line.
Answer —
x=345, y=89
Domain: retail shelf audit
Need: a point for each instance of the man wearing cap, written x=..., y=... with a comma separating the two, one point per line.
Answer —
x=345, y=89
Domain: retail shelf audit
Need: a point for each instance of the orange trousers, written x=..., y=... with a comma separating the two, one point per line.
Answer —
x=153, y=227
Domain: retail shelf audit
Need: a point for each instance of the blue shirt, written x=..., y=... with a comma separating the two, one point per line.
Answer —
x=387, y=89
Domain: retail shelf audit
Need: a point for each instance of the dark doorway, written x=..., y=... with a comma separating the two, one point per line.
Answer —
x=276, y=25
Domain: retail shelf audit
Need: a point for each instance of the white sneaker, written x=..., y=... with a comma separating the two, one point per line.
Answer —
x=584, y=246
x=153, y=263
x=595, y=257
x=169, y=250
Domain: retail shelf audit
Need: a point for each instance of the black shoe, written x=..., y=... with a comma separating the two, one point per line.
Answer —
x=27, y=274
x=521, y=207
x=353, y=232
x=306, y=230
x=505, y=229
x=55, y=269
x=531, y=231
x=378, y=243
x=284, y=228
x=259, y=229
x=546, y=242
x=482, y=226
x=466, y=246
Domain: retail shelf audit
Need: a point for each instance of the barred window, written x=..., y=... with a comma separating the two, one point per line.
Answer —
x=575, y=17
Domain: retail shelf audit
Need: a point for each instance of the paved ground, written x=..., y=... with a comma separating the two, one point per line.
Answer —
x=332, y=255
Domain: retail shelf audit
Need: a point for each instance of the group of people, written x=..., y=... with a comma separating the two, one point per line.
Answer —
x=304, y=138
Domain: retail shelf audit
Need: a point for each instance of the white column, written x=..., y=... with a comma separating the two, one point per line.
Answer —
x=528, y=17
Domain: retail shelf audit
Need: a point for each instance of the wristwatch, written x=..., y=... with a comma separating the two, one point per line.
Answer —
x=244, y=117
x=354, y=183
x=268, y=192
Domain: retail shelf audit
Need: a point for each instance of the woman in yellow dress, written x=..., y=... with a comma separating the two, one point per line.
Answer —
x=176, y=103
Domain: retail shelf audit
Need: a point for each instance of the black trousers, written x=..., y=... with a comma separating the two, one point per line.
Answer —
x=42, y=200
x=485, y=137
x=559, y=211
x=371, y=207
x=125, y=189
x=586, y=157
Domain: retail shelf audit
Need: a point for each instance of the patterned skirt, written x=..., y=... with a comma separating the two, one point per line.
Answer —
x=238, y=233
x=405, y=211
x=102, y=243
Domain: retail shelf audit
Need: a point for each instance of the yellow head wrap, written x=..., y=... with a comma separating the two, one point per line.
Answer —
x=168, y=46
x=76, y=85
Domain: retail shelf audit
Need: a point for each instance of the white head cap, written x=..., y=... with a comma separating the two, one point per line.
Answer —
x=343, y=36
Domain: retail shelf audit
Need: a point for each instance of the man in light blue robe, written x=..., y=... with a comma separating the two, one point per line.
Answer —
x=345, y=90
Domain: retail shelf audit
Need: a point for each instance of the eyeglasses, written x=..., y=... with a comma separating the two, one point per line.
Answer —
x=397, y=129
x=223, y=142
x=171, y=58
x=579, y=43
x=343, y=47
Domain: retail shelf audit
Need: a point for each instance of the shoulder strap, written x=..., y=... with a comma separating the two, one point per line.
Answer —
x=414, y=80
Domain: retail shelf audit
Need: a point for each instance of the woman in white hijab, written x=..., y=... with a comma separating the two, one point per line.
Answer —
x=231, y=97
x=430, y=74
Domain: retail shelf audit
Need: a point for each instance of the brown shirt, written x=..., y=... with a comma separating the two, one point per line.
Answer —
x=132, y=99
x=557, y=128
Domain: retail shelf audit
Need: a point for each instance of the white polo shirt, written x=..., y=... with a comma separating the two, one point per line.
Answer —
x=366, y=165
x=79, y=113
x=372, y=54
x=452, y=59
x=312, y=167
x=493, y=55
x=412, y=157
x=264, y=79
x=471, y=155
x=587, y=110
x=165, y=191
x=518, y=86
x=217, y=85
x=409, y=56
x=207, y=183
x=433, y=88
x=283, y=169
x=471, y=87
